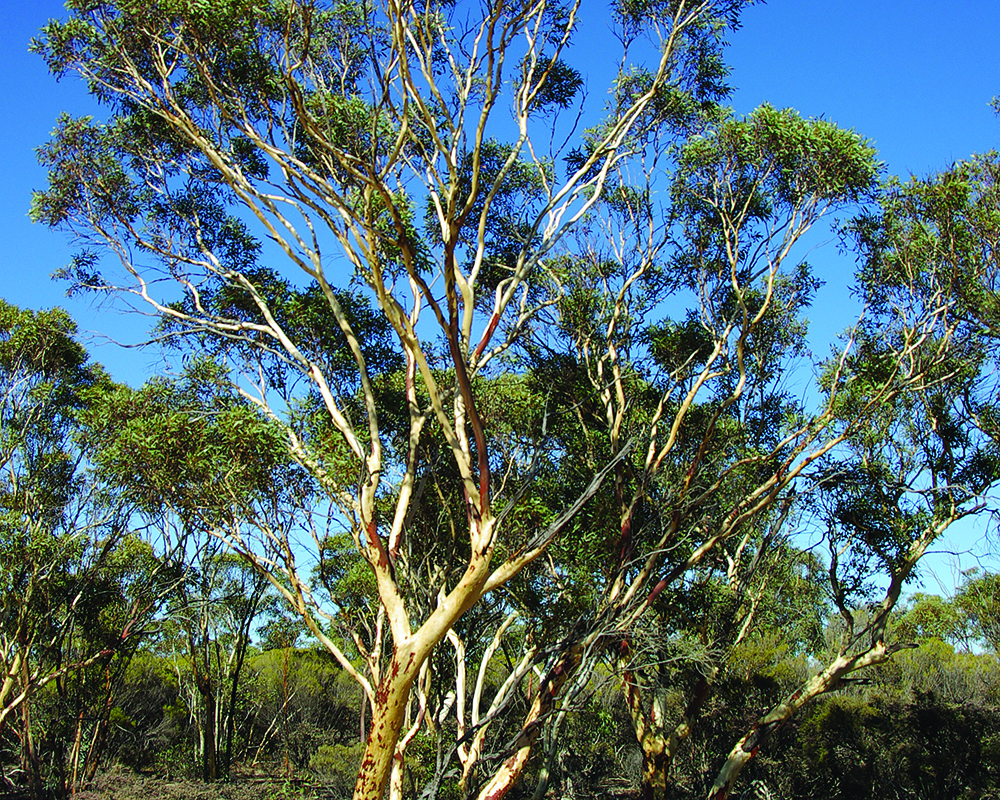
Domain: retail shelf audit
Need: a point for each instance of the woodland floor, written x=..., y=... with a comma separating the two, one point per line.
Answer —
x=121, y=784
x=124, y=785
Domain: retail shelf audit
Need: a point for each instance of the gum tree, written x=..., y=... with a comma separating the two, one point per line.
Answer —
x=369, y=132
x=46, y=378
x=198, y=465
x=928, y=457
x=391, y=222
x=78, y=588
x=721, y=443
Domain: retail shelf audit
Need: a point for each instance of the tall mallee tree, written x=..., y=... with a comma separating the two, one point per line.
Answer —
x=513, y=323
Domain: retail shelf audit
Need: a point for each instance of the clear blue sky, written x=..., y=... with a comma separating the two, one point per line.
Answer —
x=915, y=77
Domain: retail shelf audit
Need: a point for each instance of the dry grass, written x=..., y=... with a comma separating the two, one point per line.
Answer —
x=121, y=784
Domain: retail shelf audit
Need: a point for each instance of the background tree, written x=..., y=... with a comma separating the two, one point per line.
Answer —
x=977, y=603
x=721, y=442
x=78, y=587
x=198, y=464
x=928, y=457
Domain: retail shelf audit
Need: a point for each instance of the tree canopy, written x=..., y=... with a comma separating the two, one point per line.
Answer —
x=474, y=367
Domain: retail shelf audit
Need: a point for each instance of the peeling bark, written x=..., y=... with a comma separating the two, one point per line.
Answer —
x=542, y=706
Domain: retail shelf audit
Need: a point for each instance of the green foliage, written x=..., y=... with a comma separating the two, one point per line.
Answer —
x=182, y=444
x=557, y=81
x=929, y=617
x=148, y=718
x=938, y=234
x=922, y=746
x=778, y=157
x=336, y=765
x=302, y=702
x=46, y=380
x=978, y=602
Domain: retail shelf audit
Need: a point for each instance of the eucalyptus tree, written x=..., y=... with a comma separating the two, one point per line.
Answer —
x=462, y=240
x=198, y=464
x=74, y=719
x=77, y=586
x=211, y=614
x=928, y=457
x=721, y=440
x=743, y=453
x=976, y=605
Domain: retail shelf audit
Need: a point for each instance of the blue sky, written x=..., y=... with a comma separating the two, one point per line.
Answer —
x=915, y=77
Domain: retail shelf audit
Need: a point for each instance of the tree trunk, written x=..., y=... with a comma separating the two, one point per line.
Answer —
x=99, y=738
x=654, y=773
x=396, y=778
x=544, y=703
x=29, y=755
x=659, y=747
x=209, y=761
x=74, y=756
x=829, y=679
x=391, y=701
x=229, y=718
